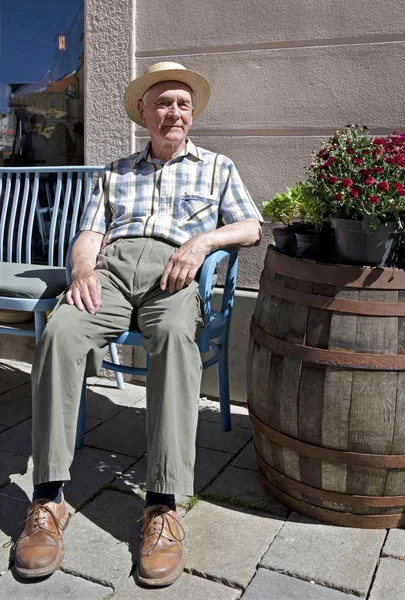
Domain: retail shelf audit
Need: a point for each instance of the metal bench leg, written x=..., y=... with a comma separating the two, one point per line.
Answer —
x=40, y=322
x=114, y=357
x=81, y=419
x=223, y=387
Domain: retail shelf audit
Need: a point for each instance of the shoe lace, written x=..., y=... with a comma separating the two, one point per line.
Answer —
x=161, y=517
x=38, y=512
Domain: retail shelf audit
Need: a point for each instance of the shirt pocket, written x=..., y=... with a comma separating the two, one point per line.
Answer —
x=194, y=206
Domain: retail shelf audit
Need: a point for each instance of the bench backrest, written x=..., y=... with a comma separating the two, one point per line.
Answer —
x=40, y=208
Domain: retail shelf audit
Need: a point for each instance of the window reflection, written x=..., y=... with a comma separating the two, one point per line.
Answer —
x=41, y=109
x=41, y=82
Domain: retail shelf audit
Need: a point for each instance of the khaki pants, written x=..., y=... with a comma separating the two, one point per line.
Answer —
x=74, y=344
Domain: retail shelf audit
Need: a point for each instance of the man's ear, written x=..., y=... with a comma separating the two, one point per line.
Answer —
x=141, y=108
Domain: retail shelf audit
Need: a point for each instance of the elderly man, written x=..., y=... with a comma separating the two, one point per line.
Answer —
x=151, y=221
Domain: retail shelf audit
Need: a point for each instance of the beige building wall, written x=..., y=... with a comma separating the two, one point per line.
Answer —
x=284, y=74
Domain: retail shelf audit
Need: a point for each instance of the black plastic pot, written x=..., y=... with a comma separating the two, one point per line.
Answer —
x=309, y=243
x=354, y=246
x=284, y=238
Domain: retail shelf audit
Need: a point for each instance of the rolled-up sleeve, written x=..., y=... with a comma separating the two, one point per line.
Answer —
x=236, y=203
x=97, y=213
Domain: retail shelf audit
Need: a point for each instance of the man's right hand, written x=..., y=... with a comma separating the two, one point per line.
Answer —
x=85, y=292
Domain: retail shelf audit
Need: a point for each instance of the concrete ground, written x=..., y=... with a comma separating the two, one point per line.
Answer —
x=240, y=542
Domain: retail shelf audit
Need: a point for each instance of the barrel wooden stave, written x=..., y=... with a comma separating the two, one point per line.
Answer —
x=335, y=407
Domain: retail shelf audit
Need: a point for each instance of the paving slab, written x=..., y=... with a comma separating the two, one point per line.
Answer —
x=91, y=470
x=268, y=585
x=16, y=405
x=226, y=544
x=3, y=428
x=104, y=399
x=343, y=558
x=389, y=583
x=11, y=464
x=101, y=541
x=124, y=433
x=246, y=459
x=59, y=585
x=185, y=588
x=208, y=463
x=13, y=374
x=243, y=485
x=395, y=544
x=12, y=515
x=210, y=435
x=91, y=423
x=17, y=439
x=209, y=410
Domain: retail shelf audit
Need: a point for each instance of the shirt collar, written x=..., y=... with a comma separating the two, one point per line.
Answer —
x=190, y=149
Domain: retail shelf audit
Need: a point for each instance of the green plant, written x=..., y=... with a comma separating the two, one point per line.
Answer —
x=359, y=177
x=296, y=203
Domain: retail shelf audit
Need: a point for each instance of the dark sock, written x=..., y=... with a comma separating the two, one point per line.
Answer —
x=52, y=490
x=165, y=499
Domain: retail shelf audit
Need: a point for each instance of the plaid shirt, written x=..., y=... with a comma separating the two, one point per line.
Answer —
x=192, y=193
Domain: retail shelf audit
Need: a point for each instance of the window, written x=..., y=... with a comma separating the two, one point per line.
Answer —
x=41, y=82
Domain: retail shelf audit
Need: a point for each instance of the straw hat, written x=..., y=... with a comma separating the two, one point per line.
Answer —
x=166, y=71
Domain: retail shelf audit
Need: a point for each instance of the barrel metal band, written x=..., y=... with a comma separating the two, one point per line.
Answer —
x=333, y=358
x=343, y=305
x=320, y=494
x=333, y=516
x=358, y=459
x=341, y=275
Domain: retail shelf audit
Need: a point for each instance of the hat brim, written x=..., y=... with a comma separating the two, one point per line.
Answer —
x=137, y=88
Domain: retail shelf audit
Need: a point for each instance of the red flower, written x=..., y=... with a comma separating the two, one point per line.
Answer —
x=357, y=160
x=365, y=151
x=398, y=186
x=384, y=186
x=378, y=170
x=347, y=182
x=329, y=162
x=389, y=161
x=369, y=180
x=337, y=197
x=374, y=199
x=401, y=192
x=392, y=204
x=365, y=172
x=321, y=176
x=350, y=150
x=354, y=193
x=332, y=179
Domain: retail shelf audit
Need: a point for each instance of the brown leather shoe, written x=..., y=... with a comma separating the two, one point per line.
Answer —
x=39, y=550
x=162, y=555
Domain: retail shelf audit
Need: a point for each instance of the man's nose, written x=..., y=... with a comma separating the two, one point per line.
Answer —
x=174, y=110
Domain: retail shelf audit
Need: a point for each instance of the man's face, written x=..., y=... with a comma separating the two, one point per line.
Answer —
x=167, y=112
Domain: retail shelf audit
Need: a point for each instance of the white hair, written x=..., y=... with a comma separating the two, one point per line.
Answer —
x=143, y=99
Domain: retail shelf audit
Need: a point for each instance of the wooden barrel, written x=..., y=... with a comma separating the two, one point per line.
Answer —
x=326, y=390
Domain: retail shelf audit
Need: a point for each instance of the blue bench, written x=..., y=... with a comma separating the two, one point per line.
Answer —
x=44, y=204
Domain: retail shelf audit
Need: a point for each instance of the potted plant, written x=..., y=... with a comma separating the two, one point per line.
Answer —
x=282, y=210
x=302, y=215
x=361, y=182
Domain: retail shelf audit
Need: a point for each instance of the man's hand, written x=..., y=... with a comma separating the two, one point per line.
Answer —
x=85, y=292
x=183, y=264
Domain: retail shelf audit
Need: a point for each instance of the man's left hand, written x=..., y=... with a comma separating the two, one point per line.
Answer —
x=183, y=264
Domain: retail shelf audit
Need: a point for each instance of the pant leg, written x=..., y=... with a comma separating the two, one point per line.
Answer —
x=170, y=324
x=73, y=345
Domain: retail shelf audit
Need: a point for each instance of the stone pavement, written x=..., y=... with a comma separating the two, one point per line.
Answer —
x=240, y=542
